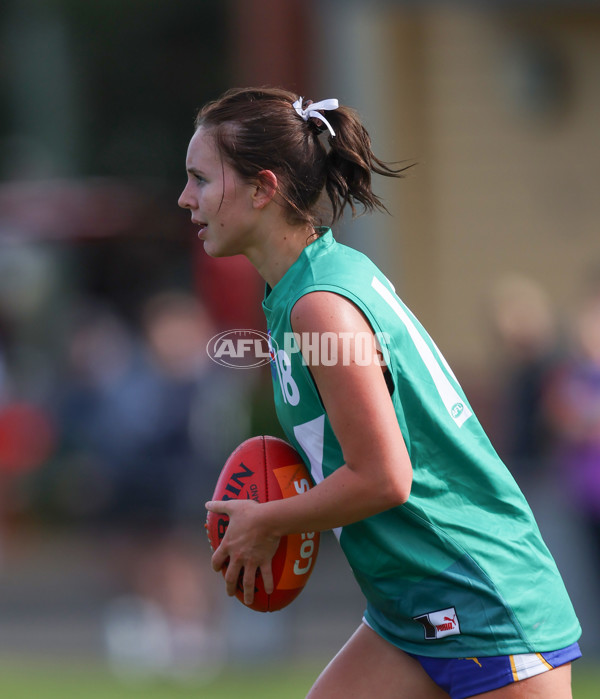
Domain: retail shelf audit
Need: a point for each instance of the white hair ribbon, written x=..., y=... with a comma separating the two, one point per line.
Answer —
x=312, y=110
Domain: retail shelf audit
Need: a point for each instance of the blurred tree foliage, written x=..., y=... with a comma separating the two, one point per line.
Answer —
x=138, y=70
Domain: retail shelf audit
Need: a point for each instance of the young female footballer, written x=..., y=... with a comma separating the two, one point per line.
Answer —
x=463, y=597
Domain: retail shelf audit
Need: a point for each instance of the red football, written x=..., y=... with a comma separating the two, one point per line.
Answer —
x=263, y=469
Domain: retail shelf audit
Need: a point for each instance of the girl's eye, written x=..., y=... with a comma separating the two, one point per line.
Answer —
x=199, y=179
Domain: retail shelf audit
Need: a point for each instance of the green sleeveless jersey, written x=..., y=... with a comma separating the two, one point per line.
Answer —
x=460, y=569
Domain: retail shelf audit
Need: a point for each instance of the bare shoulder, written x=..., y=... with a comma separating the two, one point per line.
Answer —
x=320, y=311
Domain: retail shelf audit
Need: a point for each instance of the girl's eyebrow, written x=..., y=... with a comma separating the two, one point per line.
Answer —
x=194, y=171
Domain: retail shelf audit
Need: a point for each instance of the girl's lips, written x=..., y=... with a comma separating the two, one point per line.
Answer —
x=201, y=227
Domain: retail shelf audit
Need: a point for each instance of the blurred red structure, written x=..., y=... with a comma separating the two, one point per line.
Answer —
x=74, y=209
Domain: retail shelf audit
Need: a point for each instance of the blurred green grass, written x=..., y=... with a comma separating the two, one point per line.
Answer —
x=44, y=680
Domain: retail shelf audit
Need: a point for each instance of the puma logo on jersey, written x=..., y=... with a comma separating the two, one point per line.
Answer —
x=438, y=624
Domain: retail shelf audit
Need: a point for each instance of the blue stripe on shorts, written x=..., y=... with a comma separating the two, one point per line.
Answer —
x=466, y=677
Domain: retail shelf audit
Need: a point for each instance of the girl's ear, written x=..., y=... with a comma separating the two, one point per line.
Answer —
x=266, y=188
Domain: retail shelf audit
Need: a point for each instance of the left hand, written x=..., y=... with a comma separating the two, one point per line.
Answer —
x=245, y=547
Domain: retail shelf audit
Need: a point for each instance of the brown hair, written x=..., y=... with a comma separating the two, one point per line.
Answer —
x=258, y=129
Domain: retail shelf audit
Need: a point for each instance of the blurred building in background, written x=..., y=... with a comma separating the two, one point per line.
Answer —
x=497, y=103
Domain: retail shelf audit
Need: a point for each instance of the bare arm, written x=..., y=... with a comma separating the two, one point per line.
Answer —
x=377, y=473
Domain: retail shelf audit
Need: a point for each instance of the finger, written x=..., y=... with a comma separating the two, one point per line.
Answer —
x=267, y=576
x=232, y=576
x=218, y=506
x=219, y=559
x=249, y=584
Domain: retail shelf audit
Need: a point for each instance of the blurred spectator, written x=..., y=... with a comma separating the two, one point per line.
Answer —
x=102, y=398
x=208, y=402
x=573, y=404
x=526, y=327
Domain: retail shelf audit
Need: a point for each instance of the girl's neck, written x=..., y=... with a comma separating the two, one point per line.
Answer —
x=278, y=251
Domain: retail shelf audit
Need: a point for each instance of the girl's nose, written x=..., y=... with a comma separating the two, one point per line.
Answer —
x=184, y=200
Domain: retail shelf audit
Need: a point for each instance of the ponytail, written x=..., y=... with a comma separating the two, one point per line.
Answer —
x=350, y=164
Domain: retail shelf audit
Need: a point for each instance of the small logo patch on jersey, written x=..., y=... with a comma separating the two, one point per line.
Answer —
x=438, y=624
x=457, y=410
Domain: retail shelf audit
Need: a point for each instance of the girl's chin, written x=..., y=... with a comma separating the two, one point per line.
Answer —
x=213, y=250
